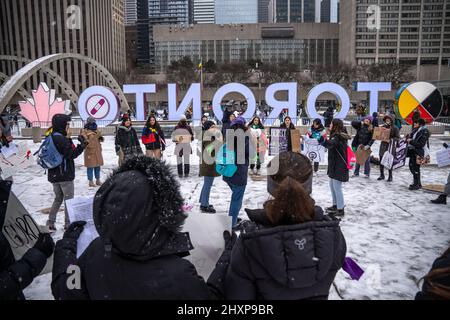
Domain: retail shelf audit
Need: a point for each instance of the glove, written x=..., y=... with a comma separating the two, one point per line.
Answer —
x=82, y=141
x=366, y=148
x=445, y=145
x=230, y=239
x=321, y=139
x=74, y=230
x=101, y=139
x=45, y=244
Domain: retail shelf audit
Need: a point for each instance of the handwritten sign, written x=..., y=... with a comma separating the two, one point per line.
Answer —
x=278, y=141
x=15, y=159
x=313, y=150
x=443, y=157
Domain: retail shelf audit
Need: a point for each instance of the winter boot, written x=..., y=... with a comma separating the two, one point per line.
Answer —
x=316, y=167
x=442, y=199
x=98, y=182
x=390, y=176
x=91, y=184
x=416, y=184
x=180, y=170
x=338, y=213
x=187, y=168
x=208, y=209
x=51, y=226
x=331, y=209
x=381, y=177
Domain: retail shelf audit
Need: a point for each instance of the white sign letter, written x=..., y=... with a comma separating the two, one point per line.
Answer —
x=234, y=87
x=140, y=90
x=335, y=89
x=278, y=106
x=193, y=95
x=373, y=88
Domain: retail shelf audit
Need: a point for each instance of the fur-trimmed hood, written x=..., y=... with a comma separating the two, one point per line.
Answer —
x=138, y=211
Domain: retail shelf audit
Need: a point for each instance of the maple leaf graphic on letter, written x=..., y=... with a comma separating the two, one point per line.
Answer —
x=40, y=110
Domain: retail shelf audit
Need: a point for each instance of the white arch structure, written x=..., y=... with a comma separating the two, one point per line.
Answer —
x=69, y=92
x=15, y=82
x=22, y=92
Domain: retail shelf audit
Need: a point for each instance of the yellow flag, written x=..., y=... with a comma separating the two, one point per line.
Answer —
x=200, y=65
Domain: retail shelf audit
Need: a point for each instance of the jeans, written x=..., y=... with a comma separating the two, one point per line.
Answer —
x=63, y=191
x=206, y=189
x=93, y=171
x=366, y=168
x=236, y=201
x=336, y=193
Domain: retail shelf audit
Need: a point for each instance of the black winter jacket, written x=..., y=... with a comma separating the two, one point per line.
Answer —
x=363, y=135
x=66, y=170
x=127, y=141
x=420, y=138
x=289, y=262
x=337, y=157
x=15, y=275
x=442, y=262
x=139, y=252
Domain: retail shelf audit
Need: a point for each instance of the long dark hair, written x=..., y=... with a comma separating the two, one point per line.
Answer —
x=292, y=204
x=292, y=126
x=260, y=125
x=433, y=281
x=338, y=127
x=149, y=126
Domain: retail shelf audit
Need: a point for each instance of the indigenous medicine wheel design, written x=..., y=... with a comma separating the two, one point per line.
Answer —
x=421, y=96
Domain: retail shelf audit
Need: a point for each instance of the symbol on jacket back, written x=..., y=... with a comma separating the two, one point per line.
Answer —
x=300, y=243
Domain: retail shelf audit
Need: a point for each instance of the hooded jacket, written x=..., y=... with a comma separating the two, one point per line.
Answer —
x=337, y=156
x=138, y=255
x=15, y=275
x=287, y=262
x=363, y=135
x=127, y=141
x=328, y=115
x=395, y=134
x=66, y=170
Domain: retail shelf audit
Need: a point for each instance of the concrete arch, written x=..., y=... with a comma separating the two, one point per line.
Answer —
x=70, y=93
x=11, y=86
x=22, y=92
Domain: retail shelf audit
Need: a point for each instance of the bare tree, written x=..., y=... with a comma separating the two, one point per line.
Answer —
x=182, y=72
x=231, y=72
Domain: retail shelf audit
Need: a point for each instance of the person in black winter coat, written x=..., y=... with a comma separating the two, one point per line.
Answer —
x=328, y=116
x=418, y=140
x=139, y=252
x=384, y=146
x=17, y=275
x=436, y=284
x=287, y=124
x=363, y=138
x=337, y=164
x=375, y=119
x=442, y=198
x=62, y=176
x=227, y=125
x=289, y=250
x=126, y=141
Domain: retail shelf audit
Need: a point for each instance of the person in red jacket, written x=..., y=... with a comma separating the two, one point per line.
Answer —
x=153, y=138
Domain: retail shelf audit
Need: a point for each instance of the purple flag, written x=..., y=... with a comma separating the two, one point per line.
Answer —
x=352, y=268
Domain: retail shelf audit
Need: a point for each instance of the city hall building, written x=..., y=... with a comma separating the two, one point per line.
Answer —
x=304, y=44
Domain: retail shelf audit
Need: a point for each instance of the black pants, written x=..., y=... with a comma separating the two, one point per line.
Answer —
x=316, y=166
x=415, y=169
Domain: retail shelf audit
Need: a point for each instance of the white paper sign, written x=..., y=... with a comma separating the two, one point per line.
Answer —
x=443, y=157
x=206, y=233
x=9, y=151
x=21, y=230
x=14, y=159
x=313, y=150
x=81, y=209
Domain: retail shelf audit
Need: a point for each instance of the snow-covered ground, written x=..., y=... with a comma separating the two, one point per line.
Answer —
x=394, y=234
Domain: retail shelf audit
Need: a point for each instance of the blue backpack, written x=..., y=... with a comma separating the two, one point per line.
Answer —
x=48, y=157
x=226, y=162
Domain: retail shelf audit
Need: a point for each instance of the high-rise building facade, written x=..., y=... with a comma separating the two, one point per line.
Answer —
x=291, y=11
x=130, y=10
x=329, y=11
x=304, y=44
x=31, y=29
x=263, y=11
x=204, y=11
x=410, y=32
x=236, y=11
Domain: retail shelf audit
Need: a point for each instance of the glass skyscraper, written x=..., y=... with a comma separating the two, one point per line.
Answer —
x=236, y=11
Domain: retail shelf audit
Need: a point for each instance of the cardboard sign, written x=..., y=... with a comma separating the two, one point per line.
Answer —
x=20, y=229
x=278, y=141
x=296, y=138
x=443, y=157
x=381, y=134
x=313, y=150
x=362, y=155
